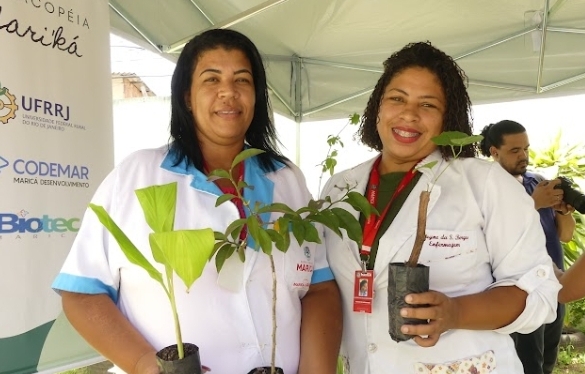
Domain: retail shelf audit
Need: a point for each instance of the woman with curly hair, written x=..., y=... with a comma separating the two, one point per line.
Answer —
x=489, y=272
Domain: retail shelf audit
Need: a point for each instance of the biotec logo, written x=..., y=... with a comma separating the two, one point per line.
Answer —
x=23, y=223
x=8, y=105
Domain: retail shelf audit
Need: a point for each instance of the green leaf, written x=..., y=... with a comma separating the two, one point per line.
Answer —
x=328, y=219
x=235, y=228
x=428, y=165
x=223, y=198
x=242, y=252
x=217, y=246
x=157, y=253
x=311, y=233
x=265, y=241
x=3, y=91
x=283, y=229
x=158, y=204
x=455, y=138
x=242, y=185
x=219, y=236
x=128, y=248
x=254, y=228
x=330, y=163
x=275, y=207
x=218, y=174
x=298, y=229
x=277, y=239
x=187, y=251
x=305, y=209
x=360, y=203
x=315, y=204
x=354, y=119
x=245, y=154
x=445, y=137
x=467, y=140
x=225, y=252
x=282, y=225
x=350, y=224
x=332, y=140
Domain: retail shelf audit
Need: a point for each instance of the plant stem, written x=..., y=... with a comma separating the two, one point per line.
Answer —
x=175, y=316
x=421, y=225
x=329, y=153
x=273, y=354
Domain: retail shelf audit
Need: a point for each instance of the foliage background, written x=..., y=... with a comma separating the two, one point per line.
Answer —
x=565, y=159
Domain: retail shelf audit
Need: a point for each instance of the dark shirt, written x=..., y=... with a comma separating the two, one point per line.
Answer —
x=388, y=184
x=547, y=220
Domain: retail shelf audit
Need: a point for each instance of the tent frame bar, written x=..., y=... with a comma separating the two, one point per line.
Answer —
x=133, y=23
x=175, y=47
x=563, y=82
x=196, y=5
x=566, y=30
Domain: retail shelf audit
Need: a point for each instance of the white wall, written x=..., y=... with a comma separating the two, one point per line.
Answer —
x=140, y=123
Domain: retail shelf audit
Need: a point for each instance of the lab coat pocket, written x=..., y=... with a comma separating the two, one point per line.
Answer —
x=482, y=364
x=298, y=266
x=451, y=257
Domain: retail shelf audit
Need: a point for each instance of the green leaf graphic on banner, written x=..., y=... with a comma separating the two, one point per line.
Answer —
x=20, y=354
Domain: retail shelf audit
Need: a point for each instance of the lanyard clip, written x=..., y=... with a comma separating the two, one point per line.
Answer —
x=364, y=269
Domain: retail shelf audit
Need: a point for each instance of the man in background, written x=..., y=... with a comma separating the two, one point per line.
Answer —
x=507, y=142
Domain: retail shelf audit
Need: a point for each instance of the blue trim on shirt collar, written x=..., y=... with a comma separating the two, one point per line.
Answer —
x=322, y=275
x=262, y=193
x=84, y=285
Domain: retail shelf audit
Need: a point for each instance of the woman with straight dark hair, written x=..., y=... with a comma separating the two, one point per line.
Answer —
x=219, y=107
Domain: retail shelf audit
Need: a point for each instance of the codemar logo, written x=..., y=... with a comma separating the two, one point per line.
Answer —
x=3, y=163
x=8, y=106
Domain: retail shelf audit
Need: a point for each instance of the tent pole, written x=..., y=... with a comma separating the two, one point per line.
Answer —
x=298, y=144
x=543, y=27
x=296, y=84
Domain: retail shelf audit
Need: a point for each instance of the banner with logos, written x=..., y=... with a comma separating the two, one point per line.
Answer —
x=56, y=145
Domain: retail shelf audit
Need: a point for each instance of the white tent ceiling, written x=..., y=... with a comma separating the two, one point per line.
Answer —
x=323, y=57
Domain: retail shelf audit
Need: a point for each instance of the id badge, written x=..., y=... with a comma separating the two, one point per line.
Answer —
x=363, y=291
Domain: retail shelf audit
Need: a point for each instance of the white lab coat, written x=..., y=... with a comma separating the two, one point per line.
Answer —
x=482, y=232
x=231, y=327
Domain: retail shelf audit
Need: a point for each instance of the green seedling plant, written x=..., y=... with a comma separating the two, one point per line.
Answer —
x=456, y=140
x=181, y=252
x=277, y=232
x=330, y=162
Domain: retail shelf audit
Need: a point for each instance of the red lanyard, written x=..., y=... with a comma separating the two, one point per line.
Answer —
x=236, y=200
x=373, y=223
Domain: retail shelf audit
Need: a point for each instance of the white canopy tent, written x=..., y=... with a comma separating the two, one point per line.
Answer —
x=323, y=57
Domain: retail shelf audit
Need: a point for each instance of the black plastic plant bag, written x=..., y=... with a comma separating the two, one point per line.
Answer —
x=404, y=280
x=169, y=363
x=265, y=370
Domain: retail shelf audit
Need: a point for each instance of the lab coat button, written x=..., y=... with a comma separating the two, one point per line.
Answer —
x=541, y=273
x=372, y=347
